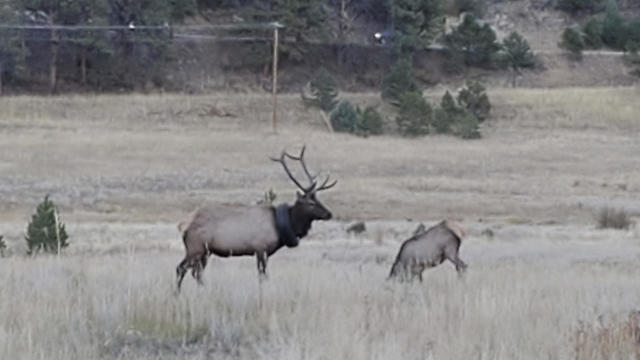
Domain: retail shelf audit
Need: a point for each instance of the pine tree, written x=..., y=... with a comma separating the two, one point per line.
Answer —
x=593, y=34
x=344, y=118
x=446, y=115
x=614, y=33
x=45, y=232
x=476, y=43
x=417, y=22
x=399, y=81
x=517, y=54
x=473, y=97
x=414, y=115
x=324, y=91
x=11, y=54
x=304, y=21
x=572, y=41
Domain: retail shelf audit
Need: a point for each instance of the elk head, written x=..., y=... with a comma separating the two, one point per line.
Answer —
x=307, y=207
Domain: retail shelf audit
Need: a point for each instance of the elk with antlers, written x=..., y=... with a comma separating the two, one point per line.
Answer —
x=237, y=230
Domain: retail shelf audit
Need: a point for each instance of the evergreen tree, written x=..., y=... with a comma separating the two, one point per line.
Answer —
x=416, y=23
x=399, y=81
x=136, y=62
x=517, y=54
x=593, y=34
x=476, y=43
x=45, y=232
x=414, y=115
x=473, y=97
x=370, y=122
x=633, y=36
x=466, y=126
x=613, y=27
x=56, y=13
x=11, y=54
x=304, y=21
x=451, y=118
x=446, y=115
x=344, y=118
x=572, y=41
x=324, y=91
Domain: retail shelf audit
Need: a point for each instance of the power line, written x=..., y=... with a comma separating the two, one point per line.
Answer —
x=133, y=26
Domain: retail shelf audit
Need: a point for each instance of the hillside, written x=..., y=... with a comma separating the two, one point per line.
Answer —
x=201, y=57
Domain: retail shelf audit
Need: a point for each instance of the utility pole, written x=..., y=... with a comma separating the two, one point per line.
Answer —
x=274, y=88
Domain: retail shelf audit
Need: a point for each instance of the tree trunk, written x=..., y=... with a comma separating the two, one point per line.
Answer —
x=83, y=66
x=0, y=78
x=342, y=29
x=53, y=68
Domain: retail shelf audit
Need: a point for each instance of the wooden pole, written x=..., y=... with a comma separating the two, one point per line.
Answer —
x=275, y=79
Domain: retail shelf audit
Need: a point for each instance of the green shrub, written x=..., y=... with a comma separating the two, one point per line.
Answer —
x=614, y=31
x=398, y=81
x=474, y=99
x=466, y=126
x=517, y=52
x=370, y=122
x=414, y=115
x=633, y=36
x=348, y=118
x=593, y=34
x=324, y=91
x=45, y=232
x=572, y=41
x=476, y=43
x=446, y=114
x=344, y=118
x=3, y=246
x=609, y=218
x=450, y=118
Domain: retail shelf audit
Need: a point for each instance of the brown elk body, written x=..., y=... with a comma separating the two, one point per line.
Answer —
x=238, y=230
x=428, y=249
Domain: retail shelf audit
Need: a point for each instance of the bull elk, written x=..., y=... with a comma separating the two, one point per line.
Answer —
x=427, y=249
x=239, y=230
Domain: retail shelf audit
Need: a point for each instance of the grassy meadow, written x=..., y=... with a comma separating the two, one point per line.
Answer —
x=543, y=280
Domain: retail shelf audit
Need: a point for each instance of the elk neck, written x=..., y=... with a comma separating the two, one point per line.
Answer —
x=284, y=226
x=300, y=221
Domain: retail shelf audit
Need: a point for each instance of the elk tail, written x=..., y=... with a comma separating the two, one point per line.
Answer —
x=184, y=225
x=455, y=228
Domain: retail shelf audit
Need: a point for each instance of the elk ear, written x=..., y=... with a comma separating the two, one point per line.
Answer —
x=298, y=195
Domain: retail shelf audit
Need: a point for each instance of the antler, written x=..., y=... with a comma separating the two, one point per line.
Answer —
x=312, y=178
x=282, y=161
x=324, y=185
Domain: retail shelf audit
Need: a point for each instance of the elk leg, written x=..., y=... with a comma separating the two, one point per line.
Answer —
x=261, y=259
x=181, y=270
x=452, y=255
x=199, y=268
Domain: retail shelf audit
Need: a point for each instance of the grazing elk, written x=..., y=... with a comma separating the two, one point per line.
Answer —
x=427, y=249
x=238, y=230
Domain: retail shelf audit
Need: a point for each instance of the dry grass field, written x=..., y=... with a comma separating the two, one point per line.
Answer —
x=543, y=281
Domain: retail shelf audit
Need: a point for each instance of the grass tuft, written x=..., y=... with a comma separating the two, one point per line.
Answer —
x=610, y=218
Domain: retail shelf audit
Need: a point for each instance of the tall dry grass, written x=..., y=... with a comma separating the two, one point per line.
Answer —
x=123, y=307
